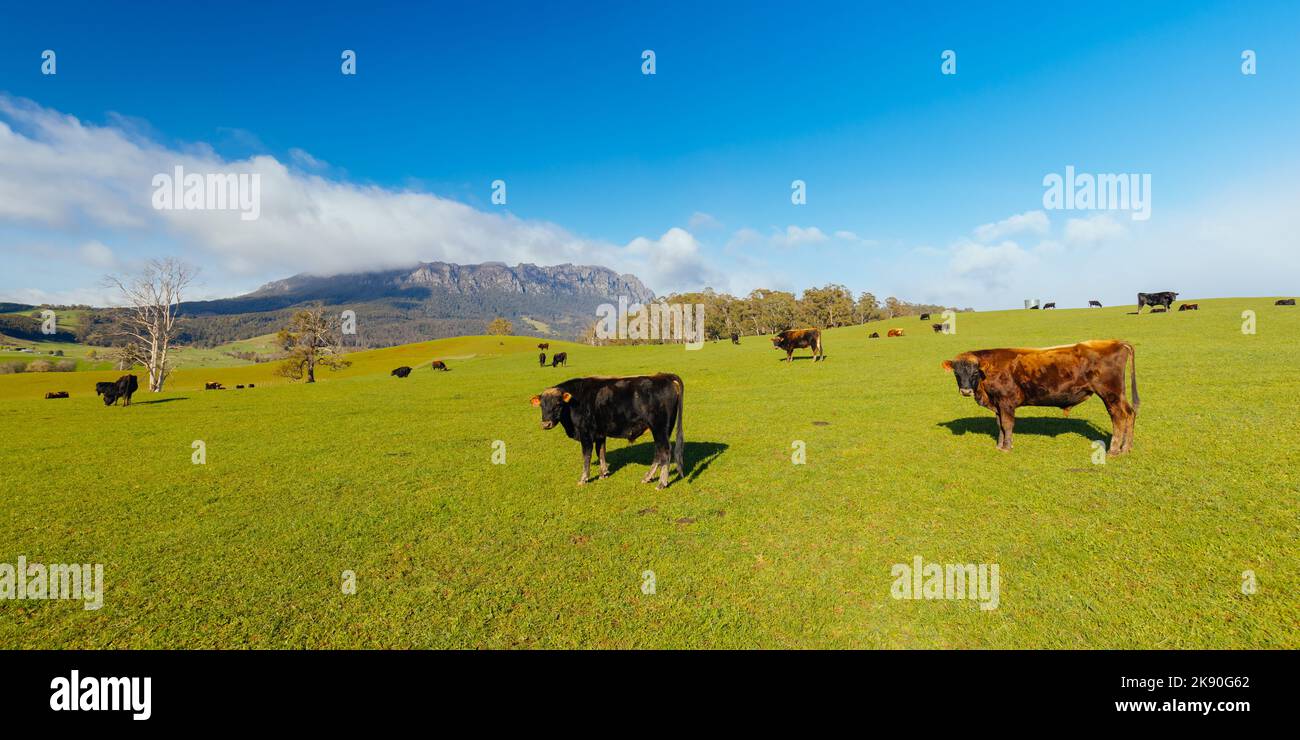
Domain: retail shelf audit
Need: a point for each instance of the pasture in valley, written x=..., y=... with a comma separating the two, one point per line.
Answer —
x=394, y=479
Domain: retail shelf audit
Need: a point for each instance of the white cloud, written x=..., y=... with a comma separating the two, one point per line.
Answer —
x=700, y=221
x=65, y=176
x=1093, y=229
x=97, y=254
x=1029, y=222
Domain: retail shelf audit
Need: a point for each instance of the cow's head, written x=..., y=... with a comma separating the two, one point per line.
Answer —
x=968, y=374
x=552, y=402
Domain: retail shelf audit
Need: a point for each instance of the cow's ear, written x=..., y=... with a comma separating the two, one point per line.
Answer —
x=947, y=365
x=567, y=396
x=536, y=401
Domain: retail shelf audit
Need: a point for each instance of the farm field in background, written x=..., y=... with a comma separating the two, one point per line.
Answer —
x=393, y=479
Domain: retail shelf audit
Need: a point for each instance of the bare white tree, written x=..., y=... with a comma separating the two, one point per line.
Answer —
x=153, y=298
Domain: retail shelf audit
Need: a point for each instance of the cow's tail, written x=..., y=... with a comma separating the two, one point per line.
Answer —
x=1133, y=376
x=820, y=355
x=678, y=452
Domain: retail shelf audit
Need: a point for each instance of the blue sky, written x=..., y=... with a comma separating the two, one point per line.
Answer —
x=684, y=176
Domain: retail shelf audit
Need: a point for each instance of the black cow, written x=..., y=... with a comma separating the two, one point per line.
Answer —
x=1284, y=302
x=438, y=365
x=213, y=387
x=401, y=372
x=560, y=358
x=541, y=359
x=735, y=338
x=1049, y=305
x=122, y=388
x=593, y=409
x=925, y=317
x=793, y=339
x=1034, y=307
x=1165, y=298
x=57, y=394
x=1094, y=303
x=938, y=328
x=874, y=335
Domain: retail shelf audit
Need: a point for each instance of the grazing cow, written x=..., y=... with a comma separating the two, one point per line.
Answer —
x=560, y=358
x=938, y=328
x=239, y=387
x=122, y=388
x=1094, y=303
x=1190, y=307
x=250, y=385
x=544, y=345
x=1034, y=307
x=1003, y=380
x=438, y=365
x=1284, y=302
x=735, y=338
x=213, y=387
x=874, y=335
x=57, y=394
x=793, y=339
x=1049, y=305
x=541, y=359
x=925, y=317
x=1165, y=298
x=401, y=372
x=895, y=333
x=594, y=409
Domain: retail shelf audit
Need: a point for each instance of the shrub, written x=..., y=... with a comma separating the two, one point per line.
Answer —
x=9, y=368
x=65, y=366
x=39, y=366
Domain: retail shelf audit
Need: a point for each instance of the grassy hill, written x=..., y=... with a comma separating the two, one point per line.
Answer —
x=393, y=479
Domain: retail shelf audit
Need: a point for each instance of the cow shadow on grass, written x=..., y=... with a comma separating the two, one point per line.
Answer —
x=160, y=400
x=697, y=456
x=1044, y=426
x=798, y=358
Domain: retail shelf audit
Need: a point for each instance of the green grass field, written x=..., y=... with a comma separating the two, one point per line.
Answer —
x=393, y=479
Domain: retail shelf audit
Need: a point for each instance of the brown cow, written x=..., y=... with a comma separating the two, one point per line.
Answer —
x=438, y=365
x=793, y=339
x=895, y=332
x=1189, y=307
x=544, y=345
x=1003, y=380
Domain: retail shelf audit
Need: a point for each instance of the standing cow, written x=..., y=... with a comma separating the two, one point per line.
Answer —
x=793, y=339
x=541, y=359
x=1003, y=380
x=593, y=409
x=401, y=372
x=1091, y=304
x=1165, y=298
x=560, y=358
x=122, y=388
x=735, y=338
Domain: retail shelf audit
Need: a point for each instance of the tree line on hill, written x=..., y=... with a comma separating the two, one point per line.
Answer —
x=764, y=311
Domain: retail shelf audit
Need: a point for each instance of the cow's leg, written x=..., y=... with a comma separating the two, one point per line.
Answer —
x=604, y=466
x=1119, y=422
x=586, y=463
x=789, y=356
x=666, y=455
x=1006, y=424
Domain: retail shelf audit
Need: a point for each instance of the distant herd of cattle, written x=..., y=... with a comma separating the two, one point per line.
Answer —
x=593, y=409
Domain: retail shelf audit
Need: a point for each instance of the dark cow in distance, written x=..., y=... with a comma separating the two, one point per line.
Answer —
x=591, y=410
x=544, y=345
x=1094, y=303
x=1164, y=298
x=56, y=394
x=793, y=339
x=401, y=372
x=1284, y=302
x=925, y=317
x=438, y=365
x=122, y=388
x=1049, y=305
x=874, y=335
x=1003, y=380
x=541, y=359
x=214, y=386
x=735, y=338
x=938, y=328
x=1189, y=307
x=560, y=358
